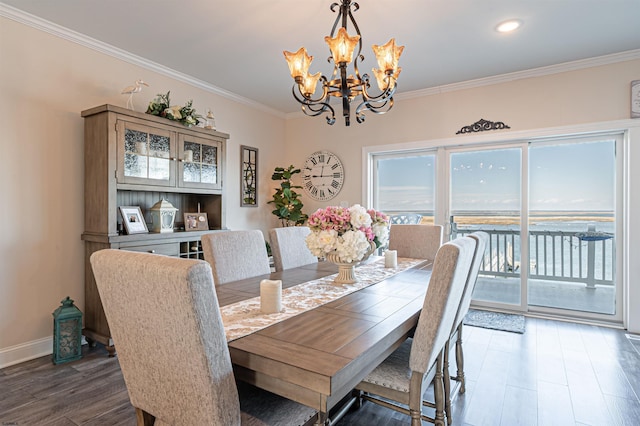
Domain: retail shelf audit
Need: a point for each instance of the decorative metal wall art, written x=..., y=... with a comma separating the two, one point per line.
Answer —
x=248, y=179
x=483, y=125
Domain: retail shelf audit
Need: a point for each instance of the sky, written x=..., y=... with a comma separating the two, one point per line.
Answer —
x=563, y=177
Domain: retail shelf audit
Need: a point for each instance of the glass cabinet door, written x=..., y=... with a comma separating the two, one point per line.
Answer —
x=145, y=155
x=200, y=163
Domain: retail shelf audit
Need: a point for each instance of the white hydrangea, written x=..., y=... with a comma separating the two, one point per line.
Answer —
x=359, y=216
x=352, y=246
x=381, y=231
x=322, y=242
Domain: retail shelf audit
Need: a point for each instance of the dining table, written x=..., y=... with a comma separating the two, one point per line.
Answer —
x=317, y=356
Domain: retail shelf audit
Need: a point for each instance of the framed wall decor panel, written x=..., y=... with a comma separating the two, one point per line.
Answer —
x=248, y=178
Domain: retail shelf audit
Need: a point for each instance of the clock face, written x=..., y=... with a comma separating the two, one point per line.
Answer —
x=323, y=175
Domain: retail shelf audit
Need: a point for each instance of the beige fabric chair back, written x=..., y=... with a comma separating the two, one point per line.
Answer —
x=415, y=241
x=448, y=279
x=289, y=248
x=164, y=318
x=235, y=255
x=481, y=244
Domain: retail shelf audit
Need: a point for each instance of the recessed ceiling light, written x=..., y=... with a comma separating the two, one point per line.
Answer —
x=508, y=26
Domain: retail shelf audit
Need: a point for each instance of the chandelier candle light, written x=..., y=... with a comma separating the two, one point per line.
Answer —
x=346, y=236
x=344, y=85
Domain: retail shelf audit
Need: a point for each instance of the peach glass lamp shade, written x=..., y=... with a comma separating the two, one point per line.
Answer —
x=342, y=46
x=298, y=62
x=388, y=55
x=381, y=77
x=309, y=83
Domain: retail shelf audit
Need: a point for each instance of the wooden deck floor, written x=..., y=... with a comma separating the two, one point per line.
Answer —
x=553, y=294
x=556, y=373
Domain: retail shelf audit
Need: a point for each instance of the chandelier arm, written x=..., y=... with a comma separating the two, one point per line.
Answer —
x=376, y=109
x=359, y=55
x=300, y=97
x=387, y=93
x=324, y=107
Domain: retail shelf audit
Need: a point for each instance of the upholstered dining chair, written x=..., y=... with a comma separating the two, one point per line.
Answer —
x=235, y=255
x=456, y=332
x=418, y=361
x=289, y=248
x=416, y=241
x=165, y=321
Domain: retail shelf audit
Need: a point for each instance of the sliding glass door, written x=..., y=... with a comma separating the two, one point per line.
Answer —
x=572, y=225
x=550, y=207
x=486, y=194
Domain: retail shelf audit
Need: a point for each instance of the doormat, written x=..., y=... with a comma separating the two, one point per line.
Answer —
x=495, y=320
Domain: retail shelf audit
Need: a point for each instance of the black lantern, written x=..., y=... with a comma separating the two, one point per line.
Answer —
x=67, y=332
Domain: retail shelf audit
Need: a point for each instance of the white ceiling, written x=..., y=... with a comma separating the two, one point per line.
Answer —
x=237, y=45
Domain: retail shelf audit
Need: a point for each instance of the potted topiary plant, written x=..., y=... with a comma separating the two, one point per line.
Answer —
x=288, y=207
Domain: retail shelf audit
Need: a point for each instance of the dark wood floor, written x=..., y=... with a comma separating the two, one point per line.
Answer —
x=555, y=374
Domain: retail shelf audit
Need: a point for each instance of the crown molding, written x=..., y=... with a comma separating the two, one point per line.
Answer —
x=38, y=23
x=83, y=40
x=613, y=58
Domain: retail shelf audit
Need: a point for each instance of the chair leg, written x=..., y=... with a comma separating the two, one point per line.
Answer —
x=438, y=390
x=415, y=398
x=143, y=418
x=460, y=359
x=447, y=383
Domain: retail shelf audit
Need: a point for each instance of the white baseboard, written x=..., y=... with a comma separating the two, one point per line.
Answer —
x=26, y=351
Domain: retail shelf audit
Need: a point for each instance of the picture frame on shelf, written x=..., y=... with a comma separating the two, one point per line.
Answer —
x=133, y=220
x=248, y=176
x=196, y=221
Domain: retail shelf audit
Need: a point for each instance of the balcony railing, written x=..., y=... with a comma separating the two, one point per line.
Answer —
x=584, y=257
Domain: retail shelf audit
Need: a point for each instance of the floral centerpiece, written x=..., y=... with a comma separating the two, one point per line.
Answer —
x=161, y=106
x=346, y=236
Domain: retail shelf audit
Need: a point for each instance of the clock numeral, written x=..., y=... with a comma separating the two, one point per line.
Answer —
x=330, y=191
x=335, y=184
x=337, y=175
x=322, y=193
x=334, y=166
x=308, y=185
x=321, y=158
x=313, y=160
x=314, y=191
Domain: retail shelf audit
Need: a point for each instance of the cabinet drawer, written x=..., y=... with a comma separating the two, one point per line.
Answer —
x=169, y=249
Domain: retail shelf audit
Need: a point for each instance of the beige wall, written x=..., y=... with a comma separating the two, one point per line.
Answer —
x=45, y=81
x=533, y=106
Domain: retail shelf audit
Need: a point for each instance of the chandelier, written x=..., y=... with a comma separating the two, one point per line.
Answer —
x=342, y=85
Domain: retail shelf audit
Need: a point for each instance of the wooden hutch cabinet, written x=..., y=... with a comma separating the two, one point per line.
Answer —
x=136, y=159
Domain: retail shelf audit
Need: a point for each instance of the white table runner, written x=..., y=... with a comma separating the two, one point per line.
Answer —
x=244, y=317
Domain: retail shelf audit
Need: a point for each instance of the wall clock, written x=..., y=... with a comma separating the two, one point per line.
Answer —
x=323, y=175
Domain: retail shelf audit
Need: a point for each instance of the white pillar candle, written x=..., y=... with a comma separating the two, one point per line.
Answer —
x=188, y=156
x=391, y=259
x=271, y=296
